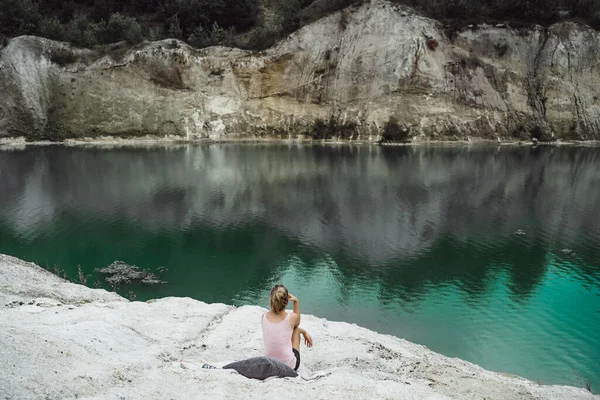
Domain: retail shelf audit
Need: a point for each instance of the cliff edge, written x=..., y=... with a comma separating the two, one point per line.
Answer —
x=369, y=72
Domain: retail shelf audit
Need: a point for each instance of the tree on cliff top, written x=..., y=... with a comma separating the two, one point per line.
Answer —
x=257, y=23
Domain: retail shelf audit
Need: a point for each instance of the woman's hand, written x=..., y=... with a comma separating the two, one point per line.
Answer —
x=292, y=298
x=307, y=339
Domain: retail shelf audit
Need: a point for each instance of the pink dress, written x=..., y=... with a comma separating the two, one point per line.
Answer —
x=278, y=340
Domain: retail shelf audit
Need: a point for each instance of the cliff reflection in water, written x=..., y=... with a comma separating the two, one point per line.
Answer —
x=423, y=214
x=485, y=253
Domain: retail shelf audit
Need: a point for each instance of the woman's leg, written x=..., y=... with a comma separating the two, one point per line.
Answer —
x=296, y=345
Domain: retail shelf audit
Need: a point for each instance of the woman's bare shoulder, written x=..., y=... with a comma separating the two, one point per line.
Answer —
x=293, y=319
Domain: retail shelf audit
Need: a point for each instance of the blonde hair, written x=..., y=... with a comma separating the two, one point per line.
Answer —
x=279, y=298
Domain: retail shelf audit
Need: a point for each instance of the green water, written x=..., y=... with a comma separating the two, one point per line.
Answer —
x=483, y=253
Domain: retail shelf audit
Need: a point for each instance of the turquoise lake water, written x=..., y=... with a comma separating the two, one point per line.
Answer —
x=490, y=254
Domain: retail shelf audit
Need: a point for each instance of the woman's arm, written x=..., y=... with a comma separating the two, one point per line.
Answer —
x=307, y=338
x=296, y=313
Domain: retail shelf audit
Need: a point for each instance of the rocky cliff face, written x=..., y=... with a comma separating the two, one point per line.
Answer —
x=343, y=76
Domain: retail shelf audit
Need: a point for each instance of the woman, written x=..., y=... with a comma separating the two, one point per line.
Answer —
x=281, y=330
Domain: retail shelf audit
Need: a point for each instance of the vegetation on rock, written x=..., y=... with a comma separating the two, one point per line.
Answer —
x=394, y=132
x=254, y=24
x=331, y=129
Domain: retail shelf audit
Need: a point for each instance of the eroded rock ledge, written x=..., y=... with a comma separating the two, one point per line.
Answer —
x=344, y=76
x=61, y=341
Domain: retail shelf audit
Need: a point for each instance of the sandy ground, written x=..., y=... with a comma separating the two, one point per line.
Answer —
x=63, y=341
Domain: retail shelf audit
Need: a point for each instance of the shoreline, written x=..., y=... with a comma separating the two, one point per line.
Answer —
x=21, y=142
x=54, y=328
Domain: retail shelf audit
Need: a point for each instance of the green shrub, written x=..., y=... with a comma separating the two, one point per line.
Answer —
x=67, y=10
x=199, y=38
x=393, y=132
x=62, y=56
x=51, y=28
x=347, y=130
x=321, y=8
x=540, y=134
x=104, y=9
x=19, y=17
x=121, y=28
x=90, y=22
x=145, y=6
x=331, y=128
x=322, y=130
x=92, y=35
x=240, y=14
x=82, y=32
x=174, y=30
x=289, y=13
x=222, y=37
x=261, y=38
x=595, y=18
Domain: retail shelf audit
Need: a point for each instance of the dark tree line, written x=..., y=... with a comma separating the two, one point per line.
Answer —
x=208, y=22
x=91, y=22
x=524, y=11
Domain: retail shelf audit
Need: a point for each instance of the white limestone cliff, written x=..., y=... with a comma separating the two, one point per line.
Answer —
x=342, y=76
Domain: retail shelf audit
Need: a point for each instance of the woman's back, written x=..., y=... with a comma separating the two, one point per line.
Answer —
x=277, y=338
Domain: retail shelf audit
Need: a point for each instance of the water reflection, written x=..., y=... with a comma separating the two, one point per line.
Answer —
x=374, y=205
x=480, y=243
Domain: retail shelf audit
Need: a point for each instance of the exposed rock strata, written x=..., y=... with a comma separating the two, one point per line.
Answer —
x=62, y=341
x=353, y=70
